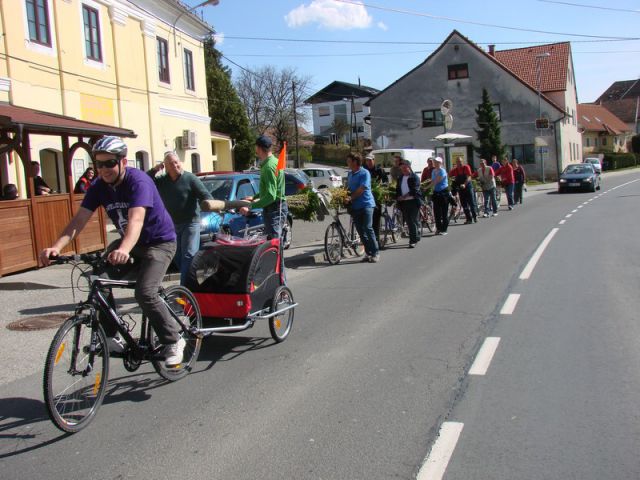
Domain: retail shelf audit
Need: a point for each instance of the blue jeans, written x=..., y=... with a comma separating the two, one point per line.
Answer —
x=490, y=196
x=188, y=243
x=275, y=216
x=509, y=190
x=363, y=220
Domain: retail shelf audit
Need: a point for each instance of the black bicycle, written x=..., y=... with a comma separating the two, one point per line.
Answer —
x=77, y=364
x=338, y=241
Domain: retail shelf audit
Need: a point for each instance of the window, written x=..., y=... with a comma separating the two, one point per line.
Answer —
x=357, y=107
x=245, y=189
x=188, y=70
x=588, y=142
x=458, y=71
x=358, y=128
x=38, y=21
x=163, y=60
x=195, y=163
x=324, y=111
x=523, y=153
x=432, y=118
x=604, y=141
x=340, y=111
x=92, y=46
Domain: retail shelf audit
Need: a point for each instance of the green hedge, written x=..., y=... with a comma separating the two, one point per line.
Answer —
x=330, y=154
x=614, y=161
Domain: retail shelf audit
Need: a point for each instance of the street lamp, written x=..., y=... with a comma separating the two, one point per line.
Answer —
x=189, y=10
x=539, y=57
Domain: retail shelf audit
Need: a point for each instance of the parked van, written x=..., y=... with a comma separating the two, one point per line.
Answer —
x=417, y=156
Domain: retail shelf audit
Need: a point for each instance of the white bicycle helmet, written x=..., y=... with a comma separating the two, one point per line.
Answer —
x=110, y=144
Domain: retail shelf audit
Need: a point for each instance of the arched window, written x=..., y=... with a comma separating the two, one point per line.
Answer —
x=195, y=163
x=142, y=160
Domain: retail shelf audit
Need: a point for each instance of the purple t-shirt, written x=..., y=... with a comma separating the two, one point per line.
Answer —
x=136, y=190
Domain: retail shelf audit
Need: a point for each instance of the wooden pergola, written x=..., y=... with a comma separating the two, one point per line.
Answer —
x=28, y=226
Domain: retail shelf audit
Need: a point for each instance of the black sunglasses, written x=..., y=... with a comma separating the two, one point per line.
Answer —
x=112, y=162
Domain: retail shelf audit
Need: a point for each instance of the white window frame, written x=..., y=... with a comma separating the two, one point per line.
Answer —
x=88, y=61
x=38, y=47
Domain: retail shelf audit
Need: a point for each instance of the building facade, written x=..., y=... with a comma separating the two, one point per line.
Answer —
x=134, y=64
x=602, y=131
x=407, y=114
x=345, y=102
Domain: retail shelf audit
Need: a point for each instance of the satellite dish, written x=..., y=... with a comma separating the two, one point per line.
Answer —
x=446, y=107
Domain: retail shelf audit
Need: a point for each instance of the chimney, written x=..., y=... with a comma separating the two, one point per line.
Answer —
x=492, y=50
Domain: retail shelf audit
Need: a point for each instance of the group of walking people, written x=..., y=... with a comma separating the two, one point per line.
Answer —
x=511, y=175
x=446, y=186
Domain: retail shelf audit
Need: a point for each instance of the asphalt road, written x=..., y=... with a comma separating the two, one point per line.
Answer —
x=377, y=364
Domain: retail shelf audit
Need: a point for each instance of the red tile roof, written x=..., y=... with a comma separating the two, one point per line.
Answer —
x=596, y=118
x=553, y=69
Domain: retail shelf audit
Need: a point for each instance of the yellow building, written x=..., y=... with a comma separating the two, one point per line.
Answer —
x=134, y=64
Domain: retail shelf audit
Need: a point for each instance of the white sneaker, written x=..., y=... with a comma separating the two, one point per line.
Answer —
x=374, y=258
x=174, y=353
x=495, y=214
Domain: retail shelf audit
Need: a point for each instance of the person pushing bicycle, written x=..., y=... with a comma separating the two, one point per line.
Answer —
x=133, y=204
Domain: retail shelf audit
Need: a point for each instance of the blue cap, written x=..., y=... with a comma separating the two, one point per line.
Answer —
x=264, y=141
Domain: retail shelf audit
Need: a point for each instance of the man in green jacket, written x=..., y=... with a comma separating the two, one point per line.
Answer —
x=182, y=192
x=271, y=196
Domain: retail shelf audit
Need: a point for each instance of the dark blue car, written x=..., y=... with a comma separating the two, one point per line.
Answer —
x=233, y=186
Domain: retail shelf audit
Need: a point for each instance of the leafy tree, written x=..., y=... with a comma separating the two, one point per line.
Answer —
x=267, y=95
x=488, y=132
x=340, y=127
x=635, y=144
x=227, y=112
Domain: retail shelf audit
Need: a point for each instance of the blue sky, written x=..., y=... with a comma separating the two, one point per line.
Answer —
x=598, y=62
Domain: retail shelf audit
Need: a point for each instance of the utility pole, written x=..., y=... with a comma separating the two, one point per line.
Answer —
x=295, y=122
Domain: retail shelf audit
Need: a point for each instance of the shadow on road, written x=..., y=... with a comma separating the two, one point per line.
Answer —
x=24, y=426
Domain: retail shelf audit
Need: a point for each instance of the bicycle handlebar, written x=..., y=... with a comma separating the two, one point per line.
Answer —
x=96, y=260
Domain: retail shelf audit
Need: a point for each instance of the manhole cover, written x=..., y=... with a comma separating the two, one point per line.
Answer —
x=39, y=322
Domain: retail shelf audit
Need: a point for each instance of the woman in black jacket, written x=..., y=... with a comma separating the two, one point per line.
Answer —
x=409, y=200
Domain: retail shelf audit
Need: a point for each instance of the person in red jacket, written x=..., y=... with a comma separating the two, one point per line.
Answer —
x=508, y=180
x=461, y=179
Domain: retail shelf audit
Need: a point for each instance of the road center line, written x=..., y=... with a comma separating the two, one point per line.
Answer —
x=484, y=357
x=510, y=304
x=526, y=273
x=562, y=222
x=574, y=211
x=580, y=206
x=568, y=215
x=436, y=463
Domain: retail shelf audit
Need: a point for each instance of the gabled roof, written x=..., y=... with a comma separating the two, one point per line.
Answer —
x=490, y=57
x=337, y=90
x=553, y=68
x=621, y=90
x=596, y=118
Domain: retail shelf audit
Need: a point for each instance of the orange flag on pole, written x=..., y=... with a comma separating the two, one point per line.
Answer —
x=282, y=159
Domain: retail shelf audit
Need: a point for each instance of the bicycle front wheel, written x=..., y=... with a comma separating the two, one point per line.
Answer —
x=428, y=219
x=185, y=307
x=333, y=244
x=75, y=373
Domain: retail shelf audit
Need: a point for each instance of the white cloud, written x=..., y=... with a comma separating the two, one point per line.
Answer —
x=219, y=38
x=330, y=14
x=382, y=26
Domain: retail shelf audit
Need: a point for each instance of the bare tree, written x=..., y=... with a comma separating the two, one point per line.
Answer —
x=267, y=95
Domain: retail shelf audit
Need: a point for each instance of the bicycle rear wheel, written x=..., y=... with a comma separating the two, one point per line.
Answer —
x=75, y=378
x=427, y=218
x=184, y=305
x=333, y=246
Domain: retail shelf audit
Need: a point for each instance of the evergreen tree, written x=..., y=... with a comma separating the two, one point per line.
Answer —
x=488, y=130
x=227, y=113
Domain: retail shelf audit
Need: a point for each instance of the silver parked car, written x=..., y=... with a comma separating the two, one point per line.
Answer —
x=323, y=177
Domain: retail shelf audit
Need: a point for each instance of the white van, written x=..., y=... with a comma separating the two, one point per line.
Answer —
x=417, y=156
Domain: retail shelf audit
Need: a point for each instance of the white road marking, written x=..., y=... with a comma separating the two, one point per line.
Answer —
x=569, y=215
x=562, y=222
x=484, y=357
x=528, y=269
x=510, y=304
x=436, y=463
x=574, y=211
x=580, y=206
x=585, y=203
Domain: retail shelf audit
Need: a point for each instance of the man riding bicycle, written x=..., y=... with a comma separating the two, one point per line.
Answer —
x=133, y=204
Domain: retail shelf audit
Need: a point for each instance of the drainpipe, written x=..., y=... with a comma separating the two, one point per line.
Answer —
x=58, y=26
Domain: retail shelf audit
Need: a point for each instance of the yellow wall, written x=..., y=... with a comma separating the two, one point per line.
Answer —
x=123, y=90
